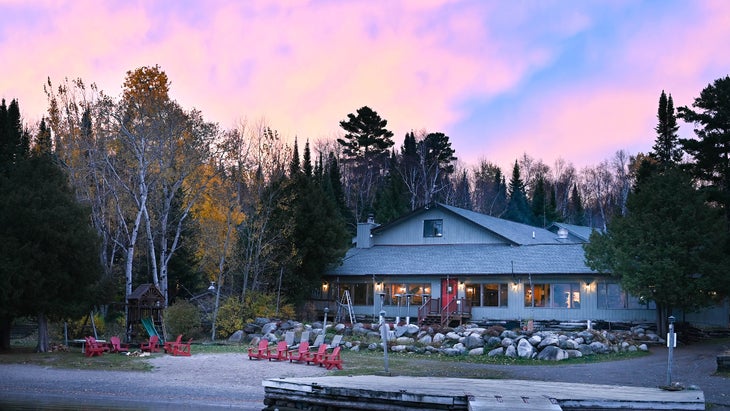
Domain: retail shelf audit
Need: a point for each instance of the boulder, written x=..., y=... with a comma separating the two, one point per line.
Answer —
x=585, y=349
x=506, y=342
x=550, y=340
x=339, y=327
x=426, y=339
x=525, y=349
x=404, y=340
x=236, y=337
x=511, y=352
x=574, y=353
x=508, y=334
x=453, y=336
x=400, y=330
x=535, y=340
x=451, y=352
x=643, y=347
x=412, y=330
x=473, y=341
x=552, y=353
x=477, y=351
x=398, y=348
x=438, y=338
x=496, y=352
x=599, y=347
x=493, y=342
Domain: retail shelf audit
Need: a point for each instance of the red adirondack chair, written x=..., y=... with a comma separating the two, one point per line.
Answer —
x=333, y=360
x=301, y=353
x=280, y=353
x=152, y=346
x=169, y=344
x=317, y=357
x=117, y=346
x=260, y=351
x=182, y=348
x=93, y=347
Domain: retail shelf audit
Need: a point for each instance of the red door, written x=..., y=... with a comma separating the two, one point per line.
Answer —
x=448, y=291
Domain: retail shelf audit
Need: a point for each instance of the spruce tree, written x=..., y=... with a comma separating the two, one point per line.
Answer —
x=666, y=146
x=518, y=208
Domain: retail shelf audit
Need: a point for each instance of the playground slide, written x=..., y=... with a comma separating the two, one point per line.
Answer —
x=149, y=325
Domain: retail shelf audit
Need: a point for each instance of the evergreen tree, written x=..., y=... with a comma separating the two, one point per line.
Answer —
x=307, y=160
x=669, y=248
x=711, y=150
x=391, y=200
x=576, y=211
x=294, y=166
x=365, y=150
x=666, y=146
x=49, y=266
x=462, y=192
x=518, y=208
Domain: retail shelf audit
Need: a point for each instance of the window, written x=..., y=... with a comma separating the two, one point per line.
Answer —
x=417, y=291
x=360, y=293
x=612, y=297
x=560, y=295
x=495, y=295
x=474, y=294
x=433, y=228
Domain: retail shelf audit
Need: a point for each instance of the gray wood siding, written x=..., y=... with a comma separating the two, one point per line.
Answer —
x=455, y=231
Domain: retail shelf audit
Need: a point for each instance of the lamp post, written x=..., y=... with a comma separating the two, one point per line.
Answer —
x=671, y=343
x=217, y=290
x=408, y=308
x=324, y=325
x=384, y=337
x=397, y=317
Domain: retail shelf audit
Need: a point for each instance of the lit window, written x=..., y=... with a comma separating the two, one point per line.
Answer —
x=433, y=228
x=553, y=295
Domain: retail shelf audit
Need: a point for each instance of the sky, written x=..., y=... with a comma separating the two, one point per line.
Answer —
x=575, y=80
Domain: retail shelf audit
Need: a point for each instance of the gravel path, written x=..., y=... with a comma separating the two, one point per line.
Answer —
x=215, y=381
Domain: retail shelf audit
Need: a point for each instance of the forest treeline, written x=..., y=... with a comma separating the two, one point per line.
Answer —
x=177, y=201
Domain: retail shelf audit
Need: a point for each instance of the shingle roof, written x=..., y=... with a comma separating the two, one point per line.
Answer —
x=464, y=259
x=516, y=233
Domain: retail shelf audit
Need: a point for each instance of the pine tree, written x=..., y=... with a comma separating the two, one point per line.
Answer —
x=294, y=166
x=666, y=146
x=518, y=208
x=307, y=160
x=711, y=150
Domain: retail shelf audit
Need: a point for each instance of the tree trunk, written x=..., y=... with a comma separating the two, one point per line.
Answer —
x=42, y=333
x=5, y=324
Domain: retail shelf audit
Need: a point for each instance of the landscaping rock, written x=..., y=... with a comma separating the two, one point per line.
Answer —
x=236, y=337
x=496, y=352
x=552, y=353
x=511, y=352
x=525, y=349
x=477, y=351
x=473, y=341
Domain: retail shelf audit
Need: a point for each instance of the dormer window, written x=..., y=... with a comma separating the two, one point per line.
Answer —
x=433, y=228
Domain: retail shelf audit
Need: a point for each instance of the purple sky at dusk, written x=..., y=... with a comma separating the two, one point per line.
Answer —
x=572, y=79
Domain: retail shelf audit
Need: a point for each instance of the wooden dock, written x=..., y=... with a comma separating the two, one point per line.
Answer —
x=419, y=393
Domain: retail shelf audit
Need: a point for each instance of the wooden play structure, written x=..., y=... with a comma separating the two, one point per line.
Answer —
x=145, y=307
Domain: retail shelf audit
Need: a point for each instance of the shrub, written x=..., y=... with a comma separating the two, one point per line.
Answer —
x=233, y=314
x=183, y=318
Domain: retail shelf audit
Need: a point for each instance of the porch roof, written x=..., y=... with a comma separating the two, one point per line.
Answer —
x=464, y=259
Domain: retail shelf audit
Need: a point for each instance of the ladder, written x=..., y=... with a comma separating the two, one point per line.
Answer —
x=345, y=303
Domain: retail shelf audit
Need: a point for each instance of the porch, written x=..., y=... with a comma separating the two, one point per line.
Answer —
x=453, y=312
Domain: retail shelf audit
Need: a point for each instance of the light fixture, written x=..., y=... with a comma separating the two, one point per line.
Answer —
x=325, y=286
x=212, y=286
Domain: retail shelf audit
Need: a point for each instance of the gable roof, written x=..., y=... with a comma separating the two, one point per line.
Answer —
x=580, y=232
x=512, y=232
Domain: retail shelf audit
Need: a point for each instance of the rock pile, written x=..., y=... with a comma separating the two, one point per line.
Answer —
x=470, y=339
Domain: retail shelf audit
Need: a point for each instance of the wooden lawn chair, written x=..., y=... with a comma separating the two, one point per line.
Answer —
x=289, y=338
x=333, y=360
x=318, y=341
x=280, y=353
x=336, y=340
x=301, y=353
x=92, y=347
x=117, y=346
x=260, y=351
x=316, y=358
x=152, y=346
x=304, y=337
x=169, y=344
x=182, y=349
